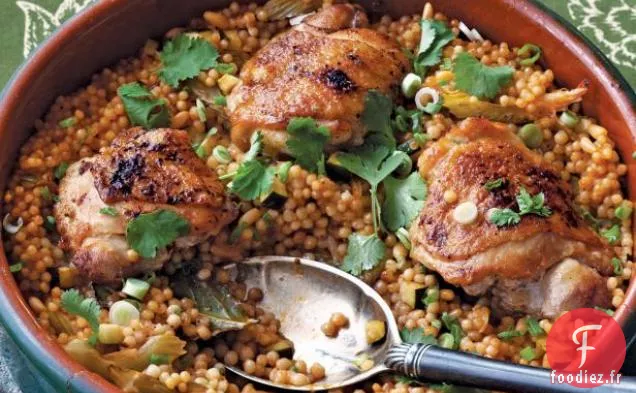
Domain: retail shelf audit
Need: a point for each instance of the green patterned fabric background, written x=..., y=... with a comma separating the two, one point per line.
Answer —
x=610, y=24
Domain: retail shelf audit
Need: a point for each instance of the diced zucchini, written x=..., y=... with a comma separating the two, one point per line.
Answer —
x=335, y=170
x=410, y=292
x=284, y=347
x=227, y=82
x=375, y=331
x=276, y=197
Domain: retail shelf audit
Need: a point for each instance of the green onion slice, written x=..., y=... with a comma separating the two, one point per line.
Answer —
x=136, y=288
x=534, y=50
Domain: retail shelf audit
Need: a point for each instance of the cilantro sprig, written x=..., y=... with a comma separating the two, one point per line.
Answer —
x=528, y=204
x=253, y=177
x=149, y=232
x=307, y=142
x=88, y=308
x=184, y=57
x=478, y=79
x=142, y=107
x=435, y=36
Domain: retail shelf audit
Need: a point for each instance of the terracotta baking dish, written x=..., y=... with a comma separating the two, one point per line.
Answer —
x=112, y=29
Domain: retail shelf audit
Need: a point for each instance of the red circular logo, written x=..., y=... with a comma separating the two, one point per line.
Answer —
x=585, y=348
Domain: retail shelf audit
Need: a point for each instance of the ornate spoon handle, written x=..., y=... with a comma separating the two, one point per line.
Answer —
x=432, y=363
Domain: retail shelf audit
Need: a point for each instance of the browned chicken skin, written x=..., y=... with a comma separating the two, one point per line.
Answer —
x=525, y=265
x=322, y=69
x=141, y=171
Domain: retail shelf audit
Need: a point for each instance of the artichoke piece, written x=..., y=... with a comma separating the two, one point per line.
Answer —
x=138, y=359
x=461, y=105
x=214, y=300
x=283, y=9
x=60, y=323
x=128, y=380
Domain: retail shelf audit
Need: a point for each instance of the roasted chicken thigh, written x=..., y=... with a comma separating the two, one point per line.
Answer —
x=142, y=171
x=541, y=265
x=322, y=69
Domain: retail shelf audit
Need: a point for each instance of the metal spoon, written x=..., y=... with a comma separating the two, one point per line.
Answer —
x=303, y=294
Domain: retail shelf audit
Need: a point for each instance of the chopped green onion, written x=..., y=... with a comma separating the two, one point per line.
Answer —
x=528, y=353
x=569, y=119
x=509, y=334
x=421, y=138
x=10, y=227
x=201, y=111
x=68, y=122
x=122, y=312
x=454, y=327
x=226, y=68
x=60, y=170
x=283, y=171
x=531, y=135
x=136, y=288
x=49, y=223
x=437, y=324
x=16, y=267
x=623, y=212
x=221, y=154
x=109, y=211
x=401, y=123
x=618, y=266
x=411, y=84
x=159, y=359
x=534, y=328
x=534, y=50
x=403, y=236
x=447, y=340
x=432, y=296
x=220, y=100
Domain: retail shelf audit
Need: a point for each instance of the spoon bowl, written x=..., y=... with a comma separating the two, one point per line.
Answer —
x=303, y=294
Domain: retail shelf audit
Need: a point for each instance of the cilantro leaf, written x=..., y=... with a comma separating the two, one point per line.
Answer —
x=430, y=50
x=478, y=79
x=252, y=179
x=60, y=170
x=256, y=141
x=529, y=204
x=16, y=267
x=534, y=328
x=68, y=122
x=509, y=334
x=363, y=253
x=416, y=336
x=433, y=107
x=504, y=217
x=151, y=231
x=494, y=184
x=612, y=234
x=404, y=198
x=306, y=143
x=88, y=308
x=109, y=211
x=376, y=116
x=184, y=57
x=142, y=107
